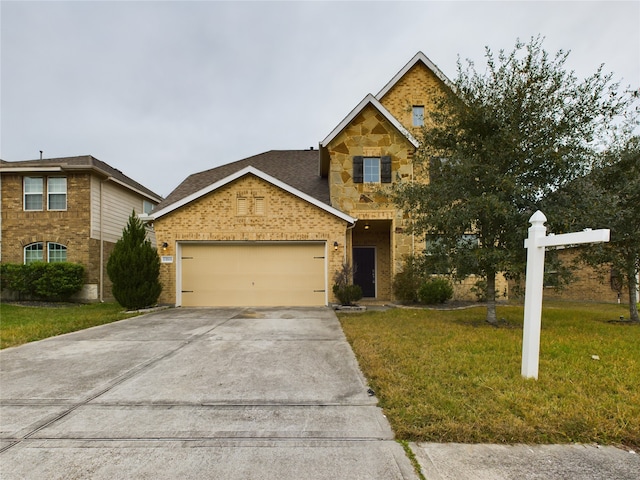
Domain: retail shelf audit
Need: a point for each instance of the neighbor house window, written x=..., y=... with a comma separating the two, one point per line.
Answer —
x=147, y=206
x=418, y=115
x=33, y=253
x=56, y=252
x=33, y=190
x=57, y=193
x=371, y=169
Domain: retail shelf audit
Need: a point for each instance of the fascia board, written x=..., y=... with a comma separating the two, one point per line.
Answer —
x=29, y=169
x=79, y=168
x=369, y=99
x=260, y=174
x=419, y=57
x=135, y=190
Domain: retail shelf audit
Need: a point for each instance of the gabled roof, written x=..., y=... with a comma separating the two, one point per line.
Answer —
x=250, y=170
x=419, y=57
x=80, y=163
x=297, y=168
x=369, y=100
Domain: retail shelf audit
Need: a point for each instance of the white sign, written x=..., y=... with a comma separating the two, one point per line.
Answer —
x=535, y=245
x=166, y=259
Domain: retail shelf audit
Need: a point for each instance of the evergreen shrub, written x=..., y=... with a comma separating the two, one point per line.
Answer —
x=134, y=268
x=435, y=290
x=407, y=282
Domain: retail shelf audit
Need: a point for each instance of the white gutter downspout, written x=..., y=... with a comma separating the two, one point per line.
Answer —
x=346, y=239
x=413, y=236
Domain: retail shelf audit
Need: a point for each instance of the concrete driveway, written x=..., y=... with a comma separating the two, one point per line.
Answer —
x=192, y=394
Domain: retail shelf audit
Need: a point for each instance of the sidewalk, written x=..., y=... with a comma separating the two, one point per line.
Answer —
x=457, y=461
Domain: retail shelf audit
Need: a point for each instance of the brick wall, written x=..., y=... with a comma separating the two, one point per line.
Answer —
x=588, y=284
x=215, y=217
x=69, y=228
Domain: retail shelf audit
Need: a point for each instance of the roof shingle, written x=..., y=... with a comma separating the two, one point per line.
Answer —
x=81, y=163
x=297, y=168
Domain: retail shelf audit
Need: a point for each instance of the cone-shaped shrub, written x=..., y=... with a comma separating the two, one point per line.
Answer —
x=134, y=268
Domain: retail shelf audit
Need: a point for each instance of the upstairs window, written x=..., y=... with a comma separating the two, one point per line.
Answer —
x=33, y=191
x=147, y=206
x=418, y=115
x=372, y=169
x=56, y=252
x=33, y=253
x=57, y=193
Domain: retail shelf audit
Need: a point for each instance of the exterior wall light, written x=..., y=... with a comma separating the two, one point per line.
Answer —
x=335, y=246
x=366, y=226
x=164, y=245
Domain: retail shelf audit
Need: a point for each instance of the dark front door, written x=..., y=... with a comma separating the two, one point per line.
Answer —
x=364, y=263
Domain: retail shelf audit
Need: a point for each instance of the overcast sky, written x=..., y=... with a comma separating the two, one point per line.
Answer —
x=161, y=90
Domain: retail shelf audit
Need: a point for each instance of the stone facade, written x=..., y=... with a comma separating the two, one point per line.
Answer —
x=215, y=217
x=371, y=134
x=419, y=86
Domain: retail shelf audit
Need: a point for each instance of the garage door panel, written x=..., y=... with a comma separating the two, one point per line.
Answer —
x=253, y=275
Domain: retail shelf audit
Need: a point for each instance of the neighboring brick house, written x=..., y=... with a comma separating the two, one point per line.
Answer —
x=68, y=209
x=274, y=228
x=587, y=284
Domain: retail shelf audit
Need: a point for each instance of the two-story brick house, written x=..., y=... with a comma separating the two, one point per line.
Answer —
x=68, y=209
x=274, y=228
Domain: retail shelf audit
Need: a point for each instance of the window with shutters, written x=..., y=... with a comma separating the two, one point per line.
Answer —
x=372, y=169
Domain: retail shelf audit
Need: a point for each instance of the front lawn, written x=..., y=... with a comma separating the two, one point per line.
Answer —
x=447, y=376
x=21, y=324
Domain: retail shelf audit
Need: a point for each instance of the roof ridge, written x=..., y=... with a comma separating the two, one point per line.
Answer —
x=418, y=57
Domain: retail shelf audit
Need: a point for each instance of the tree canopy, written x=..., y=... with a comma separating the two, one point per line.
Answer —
x=608, y=197
x=496, y=144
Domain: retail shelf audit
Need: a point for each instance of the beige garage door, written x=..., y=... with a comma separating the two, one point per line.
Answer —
x=269, y=274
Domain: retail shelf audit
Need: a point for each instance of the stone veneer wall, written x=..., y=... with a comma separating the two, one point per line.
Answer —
x=214, y=217
x=419, y=86
x=370, y=134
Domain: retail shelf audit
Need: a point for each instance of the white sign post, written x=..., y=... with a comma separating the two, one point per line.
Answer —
x=535, y=245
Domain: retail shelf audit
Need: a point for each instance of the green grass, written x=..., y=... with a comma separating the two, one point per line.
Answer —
x=447, y=376
x=22, y=324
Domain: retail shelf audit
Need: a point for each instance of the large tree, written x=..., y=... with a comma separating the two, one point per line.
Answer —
x=608, y=197
x=498, y=142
